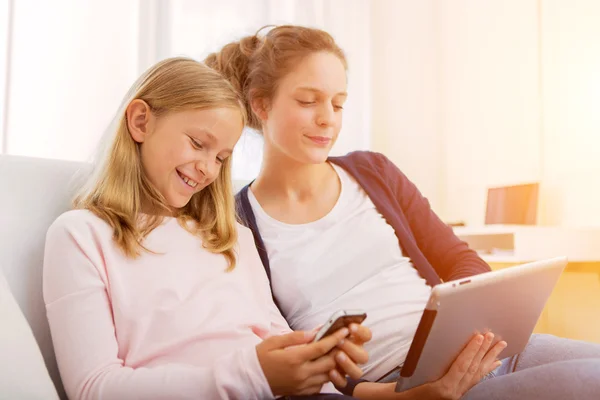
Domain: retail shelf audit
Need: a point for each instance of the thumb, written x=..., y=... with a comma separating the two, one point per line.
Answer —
x=288, y=340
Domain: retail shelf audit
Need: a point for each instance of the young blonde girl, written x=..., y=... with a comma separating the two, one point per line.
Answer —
x=152, y=289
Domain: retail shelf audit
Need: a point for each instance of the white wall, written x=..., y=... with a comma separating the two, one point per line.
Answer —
x=571, y=102
x=490, y=101
x=471, y=94
x=521, y=102
x=405, y=90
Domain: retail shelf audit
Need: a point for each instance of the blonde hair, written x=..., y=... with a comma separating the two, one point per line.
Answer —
x=118, y=186
x=255, y=64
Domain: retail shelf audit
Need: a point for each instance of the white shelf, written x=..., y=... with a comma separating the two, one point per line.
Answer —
x=514, y=243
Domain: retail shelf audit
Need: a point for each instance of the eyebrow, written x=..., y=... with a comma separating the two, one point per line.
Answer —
x=210, y=136
x=313, y=89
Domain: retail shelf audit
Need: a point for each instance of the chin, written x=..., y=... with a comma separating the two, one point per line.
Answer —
x=178, y=203
x=315, y=157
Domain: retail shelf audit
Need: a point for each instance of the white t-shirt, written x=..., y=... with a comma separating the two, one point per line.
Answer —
x=349, y=259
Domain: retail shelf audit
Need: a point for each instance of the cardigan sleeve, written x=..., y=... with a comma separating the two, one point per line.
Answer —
x=450, y=257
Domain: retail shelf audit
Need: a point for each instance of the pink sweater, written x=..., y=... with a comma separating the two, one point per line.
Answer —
x=170, y=325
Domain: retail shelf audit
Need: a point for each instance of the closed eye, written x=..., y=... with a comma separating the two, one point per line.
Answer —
x=306, y=103
x=196, y=144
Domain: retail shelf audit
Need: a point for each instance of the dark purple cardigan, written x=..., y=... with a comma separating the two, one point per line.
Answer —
x=429, y=243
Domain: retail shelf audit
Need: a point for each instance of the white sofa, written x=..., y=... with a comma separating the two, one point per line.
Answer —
x=34, y=193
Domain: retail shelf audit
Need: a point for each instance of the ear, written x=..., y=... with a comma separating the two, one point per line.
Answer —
x=139, y=120
x=260, y=107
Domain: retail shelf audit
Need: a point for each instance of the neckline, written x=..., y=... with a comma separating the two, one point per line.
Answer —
x=257, y=208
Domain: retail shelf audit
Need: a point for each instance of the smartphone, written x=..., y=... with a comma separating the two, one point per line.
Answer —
x=339, y=320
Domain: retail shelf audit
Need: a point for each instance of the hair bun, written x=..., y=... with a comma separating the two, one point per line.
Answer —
x=249, y=45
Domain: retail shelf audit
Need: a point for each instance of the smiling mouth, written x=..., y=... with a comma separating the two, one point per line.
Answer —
x=320, y=139
x=188, y=181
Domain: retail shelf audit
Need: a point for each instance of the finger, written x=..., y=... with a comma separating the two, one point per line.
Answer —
x=485, y=346
x=347, y=365
x=475, y=372
x=322, y=365
x=340, y=370
x=461, y=365
x=491, y=367
x=360, y=333
x=313, y=351
x=310, y=390
x=287, y=340
x=358, y=354
x=493, y=353
x=317, y=380
x=337, y=379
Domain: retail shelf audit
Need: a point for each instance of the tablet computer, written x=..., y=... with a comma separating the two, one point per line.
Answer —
x=507, y=302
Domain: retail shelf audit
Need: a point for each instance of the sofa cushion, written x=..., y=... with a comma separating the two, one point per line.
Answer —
x=23, y=373
x=34, y=193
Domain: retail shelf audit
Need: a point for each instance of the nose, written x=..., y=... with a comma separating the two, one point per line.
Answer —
x=207, y=169
x=326, y=115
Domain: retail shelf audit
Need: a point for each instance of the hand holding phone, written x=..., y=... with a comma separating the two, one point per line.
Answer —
x=338, y=320
x=351, y=353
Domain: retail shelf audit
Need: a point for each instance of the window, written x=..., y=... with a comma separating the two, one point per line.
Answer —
x=69, y=71
x=4, y=40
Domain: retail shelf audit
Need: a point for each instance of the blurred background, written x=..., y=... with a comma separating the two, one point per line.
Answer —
x=463, y=95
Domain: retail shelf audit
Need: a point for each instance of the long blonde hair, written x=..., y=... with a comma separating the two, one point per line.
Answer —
x=118, y=186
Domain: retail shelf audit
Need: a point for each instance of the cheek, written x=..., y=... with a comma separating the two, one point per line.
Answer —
x=159, y=158
x=154, y=166
x=174, y=151
x=304, y=116
x=292, y=124
x=178, y=155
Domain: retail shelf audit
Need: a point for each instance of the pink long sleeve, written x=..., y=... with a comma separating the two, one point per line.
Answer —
x=168, y=325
